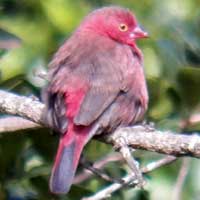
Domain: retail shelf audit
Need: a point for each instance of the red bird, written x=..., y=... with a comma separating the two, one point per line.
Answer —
x=96, y=84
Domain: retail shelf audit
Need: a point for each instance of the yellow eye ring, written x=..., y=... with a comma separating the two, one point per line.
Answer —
x=123, y=27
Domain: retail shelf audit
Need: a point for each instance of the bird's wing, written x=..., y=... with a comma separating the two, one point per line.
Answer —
x=102, y=71
x=106, y=79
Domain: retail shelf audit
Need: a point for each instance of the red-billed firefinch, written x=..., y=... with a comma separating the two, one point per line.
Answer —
x=96, y=84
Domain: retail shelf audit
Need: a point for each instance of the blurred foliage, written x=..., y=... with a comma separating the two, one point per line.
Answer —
x=172, y=66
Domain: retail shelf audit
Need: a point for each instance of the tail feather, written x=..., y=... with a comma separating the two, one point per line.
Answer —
x=67, y=159
x=63, y=172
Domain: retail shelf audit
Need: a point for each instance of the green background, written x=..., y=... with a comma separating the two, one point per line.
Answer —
x=172, y=67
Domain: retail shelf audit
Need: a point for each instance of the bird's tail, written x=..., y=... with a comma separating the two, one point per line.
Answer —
x=67, y=158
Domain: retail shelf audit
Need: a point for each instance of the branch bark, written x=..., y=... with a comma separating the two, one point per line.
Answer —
x=138, y=137
x=22, y=106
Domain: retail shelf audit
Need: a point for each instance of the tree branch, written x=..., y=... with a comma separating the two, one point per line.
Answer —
x=165, y=142
x=22, y=106
x=11, y=124
x=138, y=137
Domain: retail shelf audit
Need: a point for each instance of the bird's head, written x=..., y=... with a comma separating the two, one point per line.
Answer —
x=115, y=22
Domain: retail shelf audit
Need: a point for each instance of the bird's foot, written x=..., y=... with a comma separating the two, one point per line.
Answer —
x=121, y=145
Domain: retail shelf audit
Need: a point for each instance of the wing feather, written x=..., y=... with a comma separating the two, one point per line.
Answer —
x=100, y=68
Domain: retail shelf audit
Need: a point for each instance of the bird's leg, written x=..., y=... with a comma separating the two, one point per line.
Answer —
x=123, y=148
x=149, y=126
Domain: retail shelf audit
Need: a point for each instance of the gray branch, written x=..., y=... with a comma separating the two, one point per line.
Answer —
x=138, y=137
x=22, y=106
x=13, y=124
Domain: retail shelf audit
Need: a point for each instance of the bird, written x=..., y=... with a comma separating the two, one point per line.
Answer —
x=96, y=84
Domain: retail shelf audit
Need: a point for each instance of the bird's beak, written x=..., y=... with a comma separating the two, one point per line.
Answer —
x=138, y=33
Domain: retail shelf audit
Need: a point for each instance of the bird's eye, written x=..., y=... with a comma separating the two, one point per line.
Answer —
x=123, y=27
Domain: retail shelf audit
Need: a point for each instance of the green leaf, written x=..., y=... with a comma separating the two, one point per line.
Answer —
x=189, y=84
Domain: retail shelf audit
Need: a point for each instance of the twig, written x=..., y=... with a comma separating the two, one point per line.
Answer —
x=138, y=137
x=86, y=174
x=88, y=165
x=181, y=179
x=108, y=191
x=154, y=165
x=192, y=120
x=113, y=157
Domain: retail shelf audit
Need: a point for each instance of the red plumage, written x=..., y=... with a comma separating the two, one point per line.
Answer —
x=96, y=84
